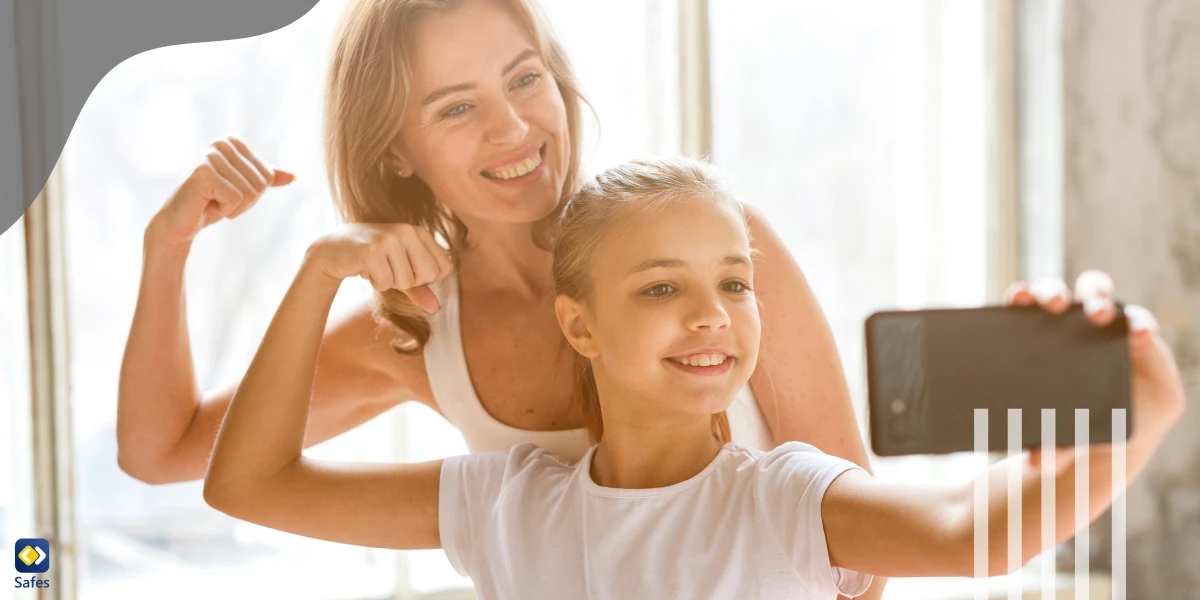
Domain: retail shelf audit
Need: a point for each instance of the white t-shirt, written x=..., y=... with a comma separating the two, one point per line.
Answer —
x=528, y=524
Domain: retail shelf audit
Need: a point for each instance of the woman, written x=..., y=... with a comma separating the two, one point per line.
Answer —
x=459, y=121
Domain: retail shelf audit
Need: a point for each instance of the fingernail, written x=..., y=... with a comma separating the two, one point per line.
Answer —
x=1140, y=318
x=1094, y=305
x=1093, y=282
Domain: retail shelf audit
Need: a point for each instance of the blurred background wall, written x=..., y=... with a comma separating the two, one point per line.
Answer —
x=1131, y=206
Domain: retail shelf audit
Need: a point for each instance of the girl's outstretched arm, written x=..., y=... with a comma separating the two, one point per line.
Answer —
x=257, y=472
x=904, y=530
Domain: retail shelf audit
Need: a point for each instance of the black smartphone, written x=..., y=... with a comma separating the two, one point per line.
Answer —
x=928, y=370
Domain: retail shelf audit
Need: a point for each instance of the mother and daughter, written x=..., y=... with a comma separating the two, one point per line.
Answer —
x=628, y=440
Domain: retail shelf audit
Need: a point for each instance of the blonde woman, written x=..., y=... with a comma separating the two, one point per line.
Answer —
x=655, y=285
x=452, y=132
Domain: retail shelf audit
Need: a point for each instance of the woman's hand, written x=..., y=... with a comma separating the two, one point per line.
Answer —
x=1158, y=397
x=396, y=256
x=226, y=184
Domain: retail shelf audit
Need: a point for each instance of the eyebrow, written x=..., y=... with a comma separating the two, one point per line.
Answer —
x=446, y=91
x=675, y=263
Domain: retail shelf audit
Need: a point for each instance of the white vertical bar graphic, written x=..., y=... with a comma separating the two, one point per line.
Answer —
x=1119, y=534
x=1015, y=522
x=981, y=505
x=1082, y=539
x=1049, y=508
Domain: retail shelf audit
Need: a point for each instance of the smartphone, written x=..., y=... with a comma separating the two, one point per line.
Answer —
x=928, y=370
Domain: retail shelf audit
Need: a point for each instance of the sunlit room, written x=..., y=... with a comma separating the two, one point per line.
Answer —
x=907, y=154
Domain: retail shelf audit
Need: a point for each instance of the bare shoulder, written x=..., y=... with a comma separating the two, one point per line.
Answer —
x=357, y=352
x=799, y=382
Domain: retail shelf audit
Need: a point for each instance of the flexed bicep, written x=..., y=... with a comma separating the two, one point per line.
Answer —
x=363, y=504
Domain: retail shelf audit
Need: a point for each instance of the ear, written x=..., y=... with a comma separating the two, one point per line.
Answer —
x=397, y=161
x=572, y=320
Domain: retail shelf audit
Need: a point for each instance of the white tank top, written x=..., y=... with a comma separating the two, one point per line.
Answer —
x=446, y=367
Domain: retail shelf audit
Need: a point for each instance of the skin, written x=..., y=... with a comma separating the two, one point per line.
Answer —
x=630, y=327
x=166, y=425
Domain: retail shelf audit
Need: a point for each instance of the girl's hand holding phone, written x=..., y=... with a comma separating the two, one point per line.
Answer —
x=396, y=256
x=1157, y=390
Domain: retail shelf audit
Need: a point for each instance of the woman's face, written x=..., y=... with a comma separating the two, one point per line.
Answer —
x=485, y=126
x=672, y=294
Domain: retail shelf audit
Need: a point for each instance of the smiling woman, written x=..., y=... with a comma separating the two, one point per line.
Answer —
x=149, y=122
x=136, y=539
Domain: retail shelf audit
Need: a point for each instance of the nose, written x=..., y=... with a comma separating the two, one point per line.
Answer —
x=506, y=127
x=707, y=313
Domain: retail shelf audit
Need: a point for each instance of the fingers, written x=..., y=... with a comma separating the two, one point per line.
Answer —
x=1094, y=289
x=1018, y=294
x=218, y=188
x=442, y=265
x=379, y=271
x=1141, y=321
x=272, y=176
x=412, y=259
x=1052, y=294
x=424, y=298
x=233, y=164
x=254, y=173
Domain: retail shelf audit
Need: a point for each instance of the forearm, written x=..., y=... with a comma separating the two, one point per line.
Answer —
x=157, y=392
x=1101, y=492
x=263, y=430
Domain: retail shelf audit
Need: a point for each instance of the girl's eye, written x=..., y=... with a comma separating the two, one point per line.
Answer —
x=456, y=110
x=737, y=287
x=659, y=291
x=527, y=80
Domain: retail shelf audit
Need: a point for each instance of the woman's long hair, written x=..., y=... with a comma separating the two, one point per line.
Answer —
x=367, y=87
x=635, y=189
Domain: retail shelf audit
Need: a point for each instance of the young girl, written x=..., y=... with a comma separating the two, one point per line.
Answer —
x=654, y=273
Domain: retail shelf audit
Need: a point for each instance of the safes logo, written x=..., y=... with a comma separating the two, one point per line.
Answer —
x=32, y=556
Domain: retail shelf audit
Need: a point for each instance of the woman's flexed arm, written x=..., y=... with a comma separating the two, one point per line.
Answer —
x=257, y=472
x=166, y=425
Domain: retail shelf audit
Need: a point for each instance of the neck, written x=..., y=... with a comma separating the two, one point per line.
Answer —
x=640, y=450
x=503, y=258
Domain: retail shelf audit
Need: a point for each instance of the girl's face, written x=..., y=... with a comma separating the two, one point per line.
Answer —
x=485, y=125
x=673, y=321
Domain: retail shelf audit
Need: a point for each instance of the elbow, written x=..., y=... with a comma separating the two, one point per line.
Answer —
x=222, y=494
x=216, y=497
x=144, y=467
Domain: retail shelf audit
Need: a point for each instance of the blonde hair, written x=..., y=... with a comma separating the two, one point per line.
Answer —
x=367, y=88
x=636, y=189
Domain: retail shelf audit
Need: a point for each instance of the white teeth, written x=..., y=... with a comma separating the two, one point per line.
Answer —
x=702, y=360
x=522, y=168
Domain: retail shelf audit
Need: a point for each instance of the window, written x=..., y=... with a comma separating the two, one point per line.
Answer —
x=16, y=477
x=858, y=127
x=145, y=126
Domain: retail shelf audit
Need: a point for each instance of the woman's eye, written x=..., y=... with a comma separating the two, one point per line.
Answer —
x=527, y=80
x=658, y=291
x=736, y=287
x=457, y=110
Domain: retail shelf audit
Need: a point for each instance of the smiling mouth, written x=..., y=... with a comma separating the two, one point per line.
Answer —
x=701, y=360
x=517, y=169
